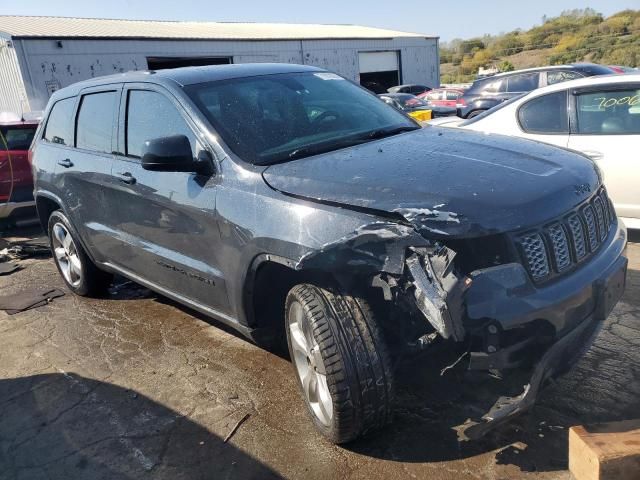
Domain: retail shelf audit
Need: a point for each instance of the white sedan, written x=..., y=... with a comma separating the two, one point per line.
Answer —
x=598, y=116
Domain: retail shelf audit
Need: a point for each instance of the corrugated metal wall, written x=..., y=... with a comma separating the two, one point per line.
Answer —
x=54, y=65
x=13, y=97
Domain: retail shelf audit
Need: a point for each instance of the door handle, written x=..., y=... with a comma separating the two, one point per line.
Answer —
x=66, y=163
x=594, y=155
x=126, y=177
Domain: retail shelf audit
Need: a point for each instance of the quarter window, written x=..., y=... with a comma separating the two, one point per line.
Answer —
x=615, y=112
x=561, y=76
x=450, y=95
x=545, y=114
x=95, y=122
x=59, y=125
x=152, y=115
x=523, y=83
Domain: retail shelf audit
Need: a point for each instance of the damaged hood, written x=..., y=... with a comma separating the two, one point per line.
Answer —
x=446, y=182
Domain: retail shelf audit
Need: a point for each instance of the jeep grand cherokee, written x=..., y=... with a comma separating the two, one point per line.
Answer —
x=286, y=198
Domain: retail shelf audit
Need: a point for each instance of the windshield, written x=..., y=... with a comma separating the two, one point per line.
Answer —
x=274, y=118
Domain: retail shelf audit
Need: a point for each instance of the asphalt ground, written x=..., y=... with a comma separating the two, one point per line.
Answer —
x=135, y=386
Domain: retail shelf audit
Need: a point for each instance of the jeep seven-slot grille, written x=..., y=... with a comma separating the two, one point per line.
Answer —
x=565, y=242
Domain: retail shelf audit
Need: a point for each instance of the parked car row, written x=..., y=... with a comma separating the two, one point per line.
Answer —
x=413, y=106
x=488, y=92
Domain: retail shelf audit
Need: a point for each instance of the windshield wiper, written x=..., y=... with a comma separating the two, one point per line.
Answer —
x=388, y=132
x=322, y=148
x=372, y=135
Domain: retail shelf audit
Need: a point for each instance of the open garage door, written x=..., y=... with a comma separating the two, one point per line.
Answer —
x=160, y=63
x=379, y=70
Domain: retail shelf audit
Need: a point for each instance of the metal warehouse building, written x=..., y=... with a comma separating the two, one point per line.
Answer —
x=39, y=55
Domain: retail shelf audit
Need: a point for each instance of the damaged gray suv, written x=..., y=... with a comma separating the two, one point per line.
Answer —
x=284, y=198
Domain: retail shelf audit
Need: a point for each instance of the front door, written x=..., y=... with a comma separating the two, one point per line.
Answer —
x=606, y=127
x=167, y=219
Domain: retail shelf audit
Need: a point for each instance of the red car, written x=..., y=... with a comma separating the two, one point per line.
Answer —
x=16, y=181
x=442, y=97
x=621, y=69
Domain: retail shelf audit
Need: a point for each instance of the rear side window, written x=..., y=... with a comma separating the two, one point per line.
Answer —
x=615, y=112
x=546, y=114
x=95, y=122
x=561, y=76
x=451, y=95
x=59, y=124
x=523, y=83
x=17, y=138
x=152, y=115
x=495, y=86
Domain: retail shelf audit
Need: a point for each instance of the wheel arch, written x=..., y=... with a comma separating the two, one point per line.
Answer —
x=265, y=287
x=46, y=204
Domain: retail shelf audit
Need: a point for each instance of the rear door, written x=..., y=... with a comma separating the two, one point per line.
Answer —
x=521, y=83
x=83, y=173
x=606, y=127
x=167, y=218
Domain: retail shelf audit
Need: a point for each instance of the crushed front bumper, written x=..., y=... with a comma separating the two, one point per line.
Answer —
x=605, y=290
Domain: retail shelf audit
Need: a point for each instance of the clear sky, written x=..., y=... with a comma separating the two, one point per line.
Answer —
x=448, y=19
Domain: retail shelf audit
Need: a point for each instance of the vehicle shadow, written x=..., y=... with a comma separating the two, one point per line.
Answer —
x=65, y=426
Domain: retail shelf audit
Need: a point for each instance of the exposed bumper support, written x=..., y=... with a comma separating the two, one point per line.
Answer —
x=559, y=357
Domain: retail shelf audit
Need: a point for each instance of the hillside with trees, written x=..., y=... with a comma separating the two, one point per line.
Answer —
x=575, y=35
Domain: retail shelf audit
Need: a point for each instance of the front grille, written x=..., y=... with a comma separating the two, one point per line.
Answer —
x=560, y=246
x=565, y=242
x=536, y=254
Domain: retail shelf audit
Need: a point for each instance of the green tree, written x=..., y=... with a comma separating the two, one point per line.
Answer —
x=506, y=66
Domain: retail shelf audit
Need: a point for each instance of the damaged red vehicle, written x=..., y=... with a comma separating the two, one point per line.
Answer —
x=284, y=198
x=16, y=181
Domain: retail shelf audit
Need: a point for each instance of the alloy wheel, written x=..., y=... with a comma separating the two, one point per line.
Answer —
x=309, y=364
x=66, y=254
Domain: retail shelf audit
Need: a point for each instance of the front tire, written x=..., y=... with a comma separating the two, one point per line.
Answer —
x=341, y=360
x=76, y=268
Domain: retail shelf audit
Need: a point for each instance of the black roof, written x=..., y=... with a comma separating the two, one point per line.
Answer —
x=584, y=67
x=190, y=75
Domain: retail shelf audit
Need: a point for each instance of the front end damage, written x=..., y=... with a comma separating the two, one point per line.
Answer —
x=491, y=314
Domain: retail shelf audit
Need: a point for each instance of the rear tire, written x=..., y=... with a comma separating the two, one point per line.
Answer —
x=341, y=360
x=76, y=268
x=475, y=113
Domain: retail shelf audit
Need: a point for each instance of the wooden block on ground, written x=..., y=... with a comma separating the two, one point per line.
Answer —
x=607, y=451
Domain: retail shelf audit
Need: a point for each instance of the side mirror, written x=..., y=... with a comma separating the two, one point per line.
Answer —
x=168, y=154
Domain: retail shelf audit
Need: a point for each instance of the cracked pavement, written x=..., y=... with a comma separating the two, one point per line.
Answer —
x=134, y=386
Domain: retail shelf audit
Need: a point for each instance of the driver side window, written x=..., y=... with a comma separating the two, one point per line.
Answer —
x=152, y=115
